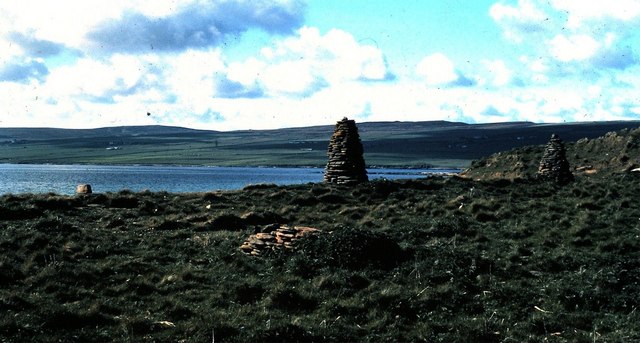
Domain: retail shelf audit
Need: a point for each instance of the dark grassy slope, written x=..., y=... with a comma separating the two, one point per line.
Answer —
x=441, y=144
x=464, y=261
x=478, y=261
x=613, y=153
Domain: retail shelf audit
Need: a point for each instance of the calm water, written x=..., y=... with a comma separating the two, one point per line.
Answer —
x=62, y=179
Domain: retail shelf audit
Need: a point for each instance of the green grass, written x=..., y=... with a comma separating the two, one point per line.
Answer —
x=203, y=154
x=438, y=144
x=477, y=261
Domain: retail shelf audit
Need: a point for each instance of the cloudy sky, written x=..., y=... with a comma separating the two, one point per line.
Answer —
x=255, y=64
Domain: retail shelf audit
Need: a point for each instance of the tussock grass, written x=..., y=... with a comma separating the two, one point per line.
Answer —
x=434, y=260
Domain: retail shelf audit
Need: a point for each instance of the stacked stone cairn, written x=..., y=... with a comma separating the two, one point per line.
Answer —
x=275, y=237
x=346, y=162
x=554, y=165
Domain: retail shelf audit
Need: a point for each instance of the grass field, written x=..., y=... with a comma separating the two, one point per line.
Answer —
x=436, y=144
x=464, y=261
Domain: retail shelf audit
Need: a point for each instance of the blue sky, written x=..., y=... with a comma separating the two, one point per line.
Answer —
x=239, y=64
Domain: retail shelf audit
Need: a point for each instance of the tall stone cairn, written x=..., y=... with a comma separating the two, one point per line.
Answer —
x=554, y=165
x=345, y=152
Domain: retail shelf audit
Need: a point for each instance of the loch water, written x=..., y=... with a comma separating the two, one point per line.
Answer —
x=62, y=179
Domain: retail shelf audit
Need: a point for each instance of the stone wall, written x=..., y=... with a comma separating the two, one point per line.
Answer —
x=346, y=162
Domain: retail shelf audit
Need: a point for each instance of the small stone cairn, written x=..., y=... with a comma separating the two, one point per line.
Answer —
x=346, y=162
x=280, y=236
x=554, y=165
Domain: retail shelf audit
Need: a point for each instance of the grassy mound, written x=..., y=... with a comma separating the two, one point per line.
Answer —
x=616, y=152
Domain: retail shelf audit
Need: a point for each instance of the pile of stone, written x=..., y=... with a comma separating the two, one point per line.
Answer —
x=346, y=162
x=280, y=236
x=554, y=165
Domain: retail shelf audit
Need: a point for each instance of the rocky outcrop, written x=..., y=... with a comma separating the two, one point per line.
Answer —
x=554, y=165
x=346, y=162
x=275, y=237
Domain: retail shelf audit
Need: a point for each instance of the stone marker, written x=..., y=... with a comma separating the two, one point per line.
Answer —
x=83, y=189
x=554, y=165
x=346, y=162
x=281, y=236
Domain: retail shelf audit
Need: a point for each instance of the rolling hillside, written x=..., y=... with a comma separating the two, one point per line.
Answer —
x=614, y=153
x=410, y=144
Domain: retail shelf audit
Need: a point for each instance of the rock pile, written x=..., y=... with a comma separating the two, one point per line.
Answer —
x=280, y=237
x=346, y=162
x=554, y=165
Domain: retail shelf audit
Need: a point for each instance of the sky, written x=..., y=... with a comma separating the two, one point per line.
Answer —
x=258, y=64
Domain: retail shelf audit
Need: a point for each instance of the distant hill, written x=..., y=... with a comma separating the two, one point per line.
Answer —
x=119, y=131
x=411, y=144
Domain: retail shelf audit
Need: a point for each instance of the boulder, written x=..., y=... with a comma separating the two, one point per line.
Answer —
x=83, y=189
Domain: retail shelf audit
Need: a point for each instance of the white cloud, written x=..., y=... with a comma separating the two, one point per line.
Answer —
x=355, y=60
x=539, y=66
x=102, y=80
x=246, y=72
x=198, y=87
x=309, y=61
x=535, y=69
x=138, y=25
x=437, y=69
x=9, y=50
x=520, y=20
x=573, y=48
x=292, y=78
x=65, y=22
x=500, y=74
x=568, y=40
x=582, y=12
x=190, y=75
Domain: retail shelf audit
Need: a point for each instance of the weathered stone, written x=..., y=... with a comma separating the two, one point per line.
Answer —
x=285, y=230
x=345, y=155
x=554, y=164
x=83, y=189
x=285, y=235
x=264, y=236
x=282, y=237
